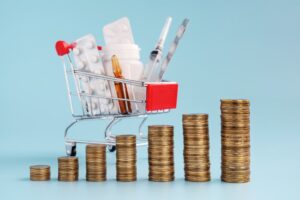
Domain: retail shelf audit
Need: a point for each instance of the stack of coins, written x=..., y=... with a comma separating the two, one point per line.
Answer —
x=68, y=168
x=40, y=172
x=196, y=147
x=235, y=118
x=126, y=157
x=160, y=153
x=96, y=162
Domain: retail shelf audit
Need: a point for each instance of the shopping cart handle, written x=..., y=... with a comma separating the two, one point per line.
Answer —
x=63, y=48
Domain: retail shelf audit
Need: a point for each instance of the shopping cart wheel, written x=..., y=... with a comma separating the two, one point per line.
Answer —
x=111, y=148
x=71, y=149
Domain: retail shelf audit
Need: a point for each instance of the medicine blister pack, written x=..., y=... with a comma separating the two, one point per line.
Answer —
x=118, y=32
x=87, y=58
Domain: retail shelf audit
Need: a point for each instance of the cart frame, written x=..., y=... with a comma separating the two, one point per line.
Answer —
x=72, y=78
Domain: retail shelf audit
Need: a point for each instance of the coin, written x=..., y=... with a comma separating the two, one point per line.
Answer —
x=40, y=172
x=235, y=139
x=95, y=162
x=68, y=168
x=126, y=158
x=161, y=153
x=196, y=147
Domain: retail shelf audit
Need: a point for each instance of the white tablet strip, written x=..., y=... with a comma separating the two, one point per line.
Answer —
x=87, y=58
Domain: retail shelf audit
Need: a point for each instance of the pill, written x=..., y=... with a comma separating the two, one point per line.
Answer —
x=89, y=45
x=76, y=51
x=94, y=59
x=80, y=65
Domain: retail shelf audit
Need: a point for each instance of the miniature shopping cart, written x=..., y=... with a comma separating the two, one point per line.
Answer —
x=160, y=97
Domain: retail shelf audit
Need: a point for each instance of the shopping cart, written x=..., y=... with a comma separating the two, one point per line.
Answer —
x=159, y=98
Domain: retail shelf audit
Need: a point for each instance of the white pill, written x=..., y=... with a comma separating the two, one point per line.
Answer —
x=103, y=108
x=94, y=59
x=85, y=87
x=102, y=70
x=80, y=65
x=105, y=101
x=110, y=105
x=76, y=51
x=97, y=71
x=84, y=79
x=89, y=45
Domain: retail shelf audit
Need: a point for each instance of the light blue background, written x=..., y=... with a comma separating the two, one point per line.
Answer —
x=232, y=49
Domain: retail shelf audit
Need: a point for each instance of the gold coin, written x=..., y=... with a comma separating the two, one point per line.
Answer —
x=68, y=168
x=196, y=159
x=40, y=167
x=203, y=166
x=235, y=107
x=40, y=172
x=95, y=147
x=234, y=120
x=126, y=158
x=195, y=125
x=226, y=135
x=162, y=143
x=96, y=178
x=160, y=127
x=68, y=159
x=235, y=179
x=195, y=116
x=235, y=101
x=235, y=126
x=197, y=148
x=126, y=179
x=197, y=179
x=235, y=112
x=195, y=128
x=161, y=177
x=196, y=142
x=154, y=162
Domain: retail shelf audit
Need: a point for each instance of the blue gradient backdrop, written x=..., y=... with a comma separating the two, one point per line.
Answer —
x=232, y=49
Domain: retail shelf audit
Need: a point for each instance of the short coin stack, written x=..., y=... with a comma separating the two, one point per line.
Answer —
x=40, y=172
x=68, y=168
x=96, y=162
x=235, y=118
x=126, y=158
x=196, y=147
x=160, y=153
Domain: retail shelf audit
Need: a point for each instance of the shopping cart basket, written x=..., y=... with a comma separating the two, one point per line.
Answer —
x=160, y=97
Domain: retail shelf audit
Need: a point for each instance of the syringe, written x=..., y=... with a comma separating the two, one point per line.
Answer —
x=155, y=55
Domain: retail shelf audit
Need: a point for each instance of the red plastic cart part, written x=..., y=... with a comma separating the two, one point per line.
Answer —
x=63, y=48
x=161, y=96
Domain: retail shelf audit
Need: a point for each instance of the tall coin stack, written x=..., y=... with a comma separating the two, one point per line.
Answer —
x=40, y=172
x=235, y=119
x=196, y=147
x=96, y=162
x=126, y=158
x=160, y=153
x=68, y=168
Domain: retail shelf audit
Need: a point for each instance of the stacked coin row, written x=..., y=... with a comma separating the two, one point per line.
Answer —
x=196, y=147
x=68, y=168
x=40, y=172
x=160, y=153
x=96, y=162
x=235, y=120
x=126, y=158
